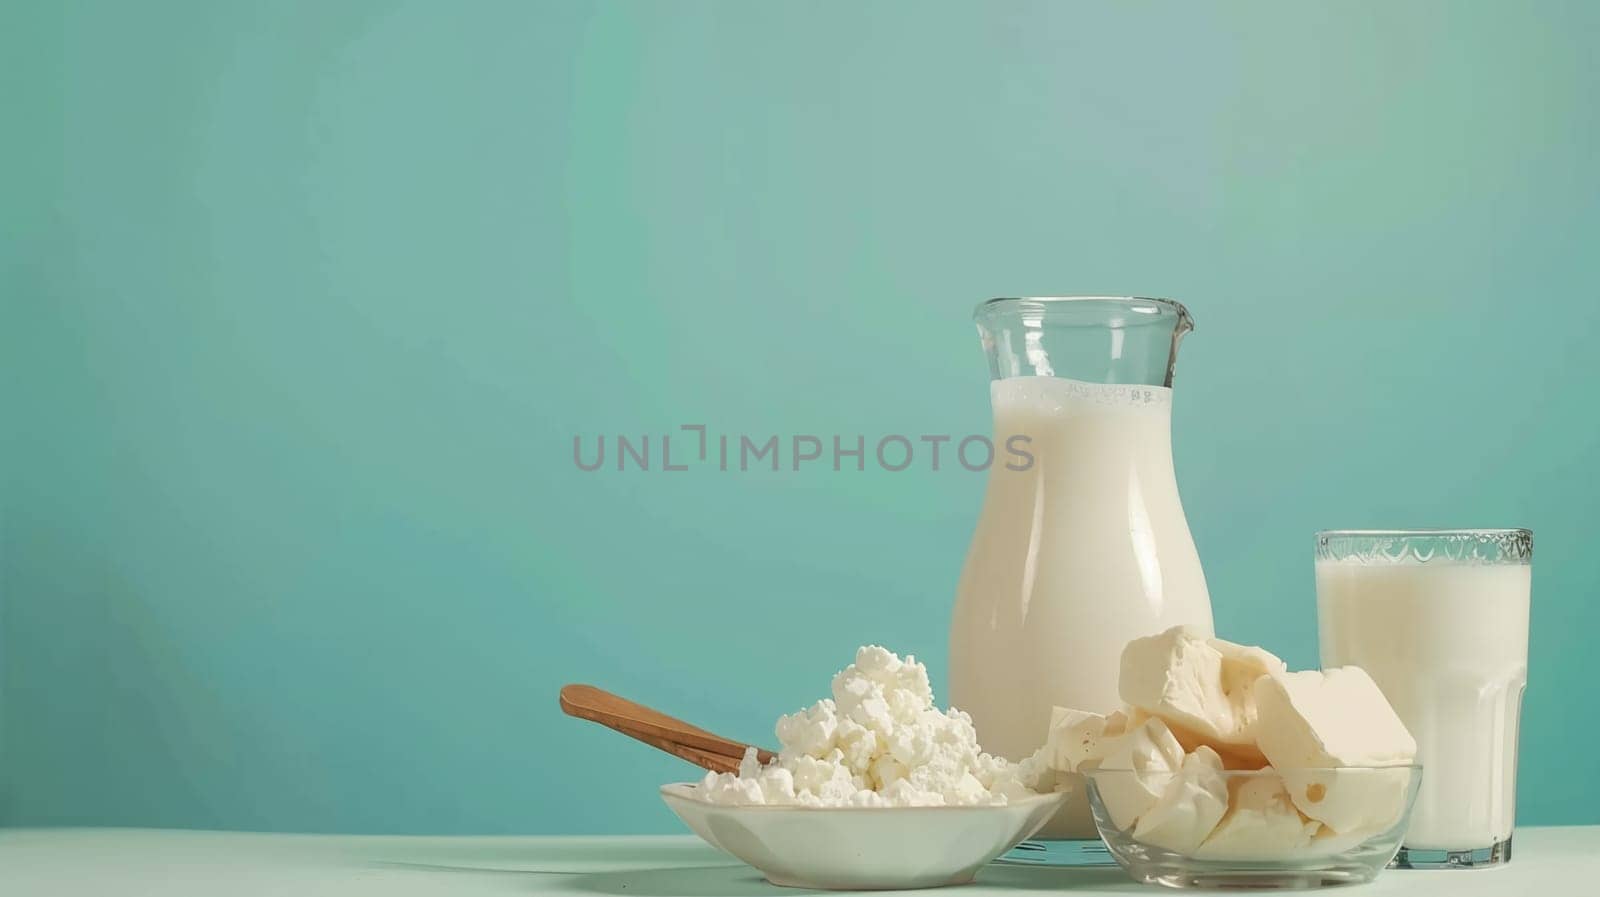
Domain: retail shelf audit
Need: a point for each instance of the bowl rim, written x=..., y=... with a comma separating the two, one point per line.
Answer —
x=685, y=791
x=1264, y=771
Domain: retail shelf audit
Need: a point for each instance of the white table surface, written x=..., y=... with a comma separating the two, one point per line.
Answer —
x=134, y=862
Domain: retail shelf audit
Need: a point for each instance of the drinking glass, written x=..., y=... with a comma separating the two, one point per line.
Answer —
x=1439, y=618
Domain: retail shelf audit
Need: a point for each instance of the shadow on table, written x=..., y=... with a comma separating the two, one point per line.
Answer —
x=684, y=870
x=1058, y=878
x=562, y=857
x=700, y=881
x=742, y=881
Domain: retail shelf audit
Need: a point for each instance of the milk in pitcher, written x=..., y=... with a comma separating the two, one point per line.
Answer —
x=1073, y=557
x=1083, y=546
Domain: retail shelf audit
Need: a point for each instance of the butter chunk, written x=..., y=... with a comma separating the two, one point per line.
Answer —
x=1262, y=823
x=1357, y=803
x=1151, y=756
x=1120, y=721
x=1312, y=723
x=1242, y=665
x=1202, y=687
x=1327, y=841
x=1194, y=801
x=1325, y=719
x=1076, y=736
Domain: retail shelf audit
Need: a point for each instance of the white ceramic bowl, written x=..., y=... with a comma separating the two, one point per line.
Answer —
x=862, y=848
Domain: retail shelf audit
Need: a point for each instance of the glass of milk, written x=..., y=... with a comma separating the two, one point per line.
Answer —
x=1439, y=618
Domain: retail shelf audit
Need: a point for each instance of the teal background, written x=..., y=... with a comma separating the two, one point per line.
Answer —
x=305, y=302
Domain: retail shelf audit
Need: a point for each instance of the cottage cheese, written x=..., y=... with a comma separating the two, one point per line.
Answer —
x=878, y=742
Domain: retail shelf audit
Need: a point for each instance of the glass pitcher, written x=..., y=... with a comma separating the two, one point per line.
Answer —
x=1082, y=544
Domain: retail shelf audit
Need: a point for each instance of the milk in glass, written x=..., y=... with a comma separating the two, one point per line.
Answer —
x=1447, y=640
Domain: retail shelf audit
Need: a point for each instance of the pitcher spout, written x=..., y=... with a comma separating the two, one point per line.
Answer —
x=1095, y=339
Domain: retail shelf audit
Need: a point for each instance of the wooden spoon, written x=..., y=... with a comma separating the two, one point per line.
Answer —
x=676, y=737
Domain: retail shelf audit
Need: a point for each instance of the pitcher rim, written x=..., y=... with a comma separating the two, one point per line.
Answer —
x=1172, y=306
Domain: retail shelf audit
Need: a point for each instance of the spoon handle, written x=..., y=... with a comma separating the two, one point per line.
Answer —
x=702, y=759
x=676, y=737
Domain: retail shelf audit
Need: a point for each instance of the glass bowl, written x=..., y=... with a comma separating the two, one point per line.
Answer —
x=1174, y=828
